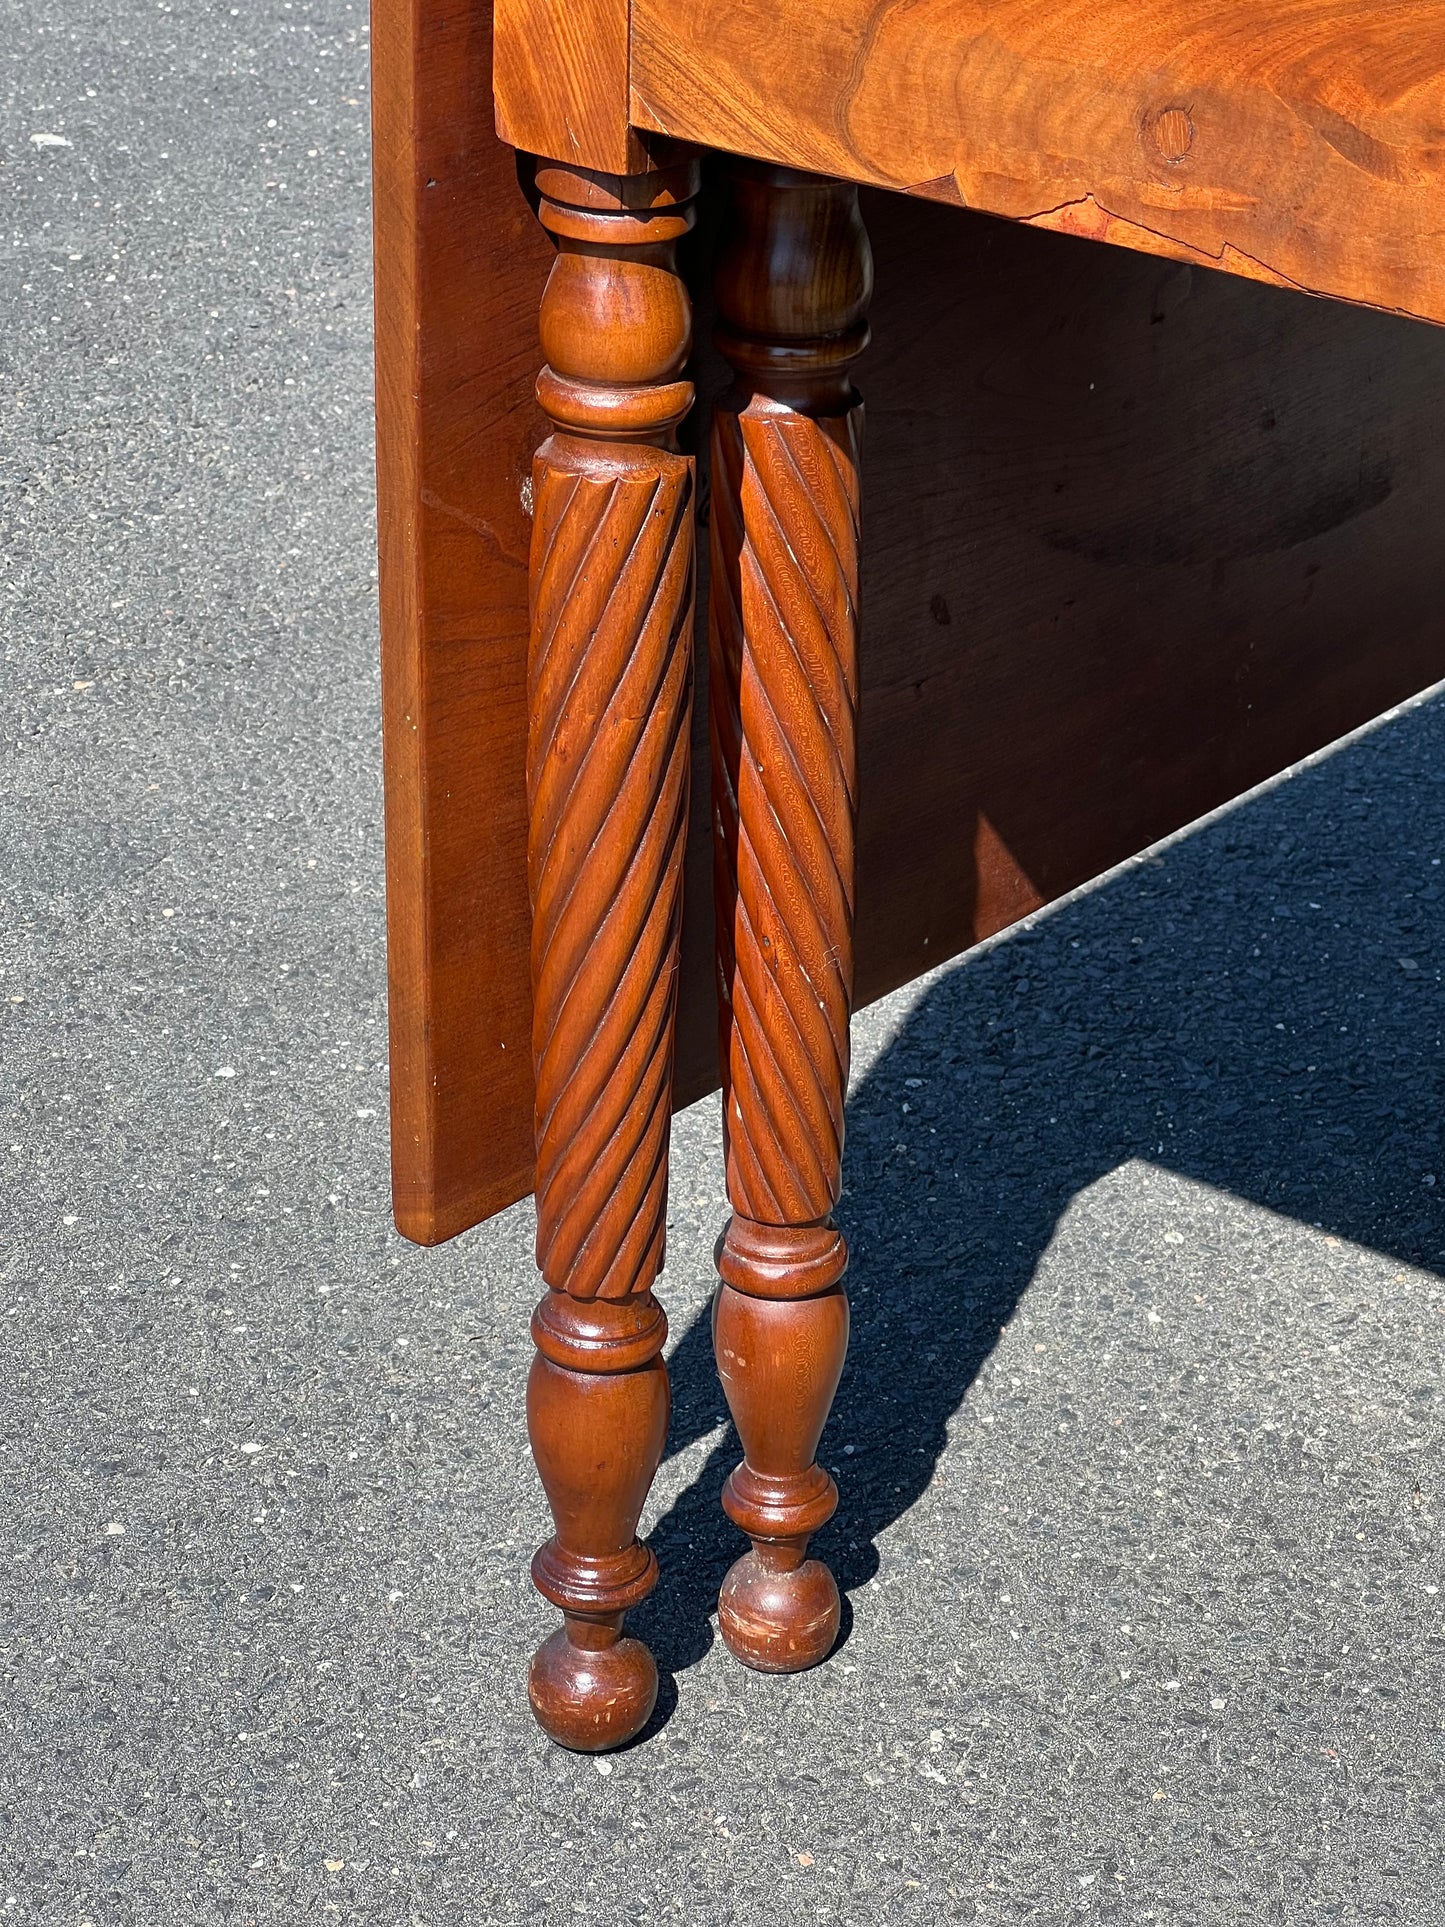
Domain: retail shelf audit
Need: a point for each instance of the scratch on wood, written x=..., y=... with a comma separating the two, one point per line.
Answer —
x=430, y=499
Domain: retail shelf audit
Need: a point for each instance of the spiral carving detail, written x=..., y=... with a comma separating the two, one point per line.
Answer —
x=784, y=648
x=725, y=668
x=607, y=779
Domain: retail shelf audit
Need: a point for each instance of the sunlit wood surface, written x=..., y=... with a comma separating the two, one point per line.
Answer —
x=1294, y=141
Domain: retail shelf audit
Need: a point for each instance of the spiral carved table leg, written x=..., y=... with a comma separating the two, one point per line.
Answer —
x=794, y=276
x=610, y=690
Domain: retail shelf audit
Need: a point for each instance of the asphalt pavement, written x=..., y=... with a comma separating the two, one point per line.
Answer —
x=1140, y=1444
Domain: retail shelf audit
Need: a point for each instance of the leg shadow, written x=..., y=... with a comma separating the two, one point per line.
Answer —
x=1258, y=1009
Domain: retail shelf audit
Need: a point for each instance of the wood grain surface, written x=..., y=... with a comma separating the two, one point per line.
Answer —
x=1134, y=537
x=560, y=81
x=460, y=264
x=1293, y=141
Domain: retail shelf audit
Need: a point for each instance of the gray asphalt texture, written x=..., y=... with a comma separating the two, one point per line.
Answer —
x=1140, y=1444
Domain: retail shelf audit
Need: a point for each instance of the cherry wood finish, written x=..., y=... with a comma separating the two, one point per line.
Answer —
x=1294, y=141
x=610, y=691
x=794, y=275
x=460, y=265
x=560, y=82
x=1136, y=536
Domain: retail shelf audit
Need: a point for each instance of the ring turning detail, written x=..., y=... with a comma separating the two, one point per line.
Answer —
x=610, y=687
x=793, y=279
x=610, y=703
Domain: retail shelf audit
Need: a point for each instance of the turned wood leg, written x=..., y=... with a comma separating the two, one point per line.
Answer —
x=793, y=281
x=610, y=690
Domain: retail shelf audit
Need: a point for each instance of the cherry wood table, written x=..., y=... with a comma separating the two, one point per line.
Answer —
x=1137, y=535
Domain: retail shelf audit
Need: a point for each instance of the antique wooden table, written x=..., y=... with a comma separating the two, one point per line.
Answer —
x=1107, y=490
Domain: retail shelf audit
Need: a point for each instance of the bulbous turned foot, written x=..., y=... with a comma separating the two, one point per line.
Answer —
x=778, y=1619
x=592, y=1699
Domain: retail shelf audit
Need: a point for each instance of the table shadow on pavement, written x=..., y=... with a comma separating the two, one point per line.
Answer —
x=1256, y=1008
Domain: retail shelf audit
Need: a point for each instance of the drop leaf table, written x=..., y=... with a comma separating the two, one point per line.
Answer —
x=1137, y=534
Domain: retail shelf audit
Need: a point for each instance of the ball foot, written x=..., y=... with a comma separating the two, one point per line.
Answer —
x=592, y=1699
x=778, y=1618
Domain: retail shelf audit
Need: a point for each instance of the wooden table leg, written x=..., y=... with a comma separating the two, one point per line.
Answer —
x=793, y=281
x=610, y=689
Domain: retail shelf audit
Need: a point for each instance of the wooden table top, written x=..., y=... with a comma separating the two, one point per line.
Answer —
x=1300, y=142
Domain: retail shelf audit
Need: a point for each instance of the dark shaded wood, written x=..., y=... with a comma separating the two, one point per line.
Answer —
x=1294, y=141
x=1135, y=537
x=610, y=711
x=794, y=275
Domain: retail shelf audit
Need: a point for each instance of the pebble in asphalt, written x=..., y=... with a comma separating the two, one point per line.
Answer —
x=1140, y=1444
